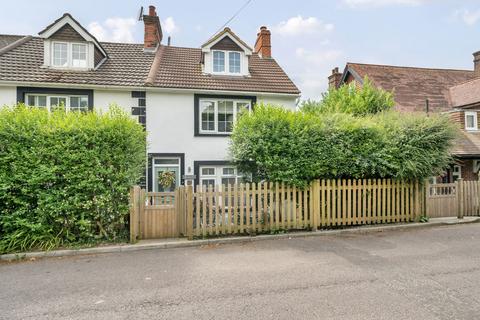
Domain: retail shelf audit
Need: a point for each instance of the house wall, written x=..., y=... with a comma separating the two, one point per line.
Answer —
x=8, y=96
x=102, y=99
x=170, y=127
x=459, y=118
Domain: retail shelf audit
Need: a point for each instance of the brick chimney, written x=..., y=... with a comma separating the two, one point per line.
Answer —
x=476, y=64
x=153, y=30
x=334, y=79
x=263, y=45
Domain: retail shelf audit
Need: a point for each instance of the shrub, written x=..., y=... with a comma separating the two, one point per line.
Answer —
x=65, y=176
x=359, y=101
x=296, y=147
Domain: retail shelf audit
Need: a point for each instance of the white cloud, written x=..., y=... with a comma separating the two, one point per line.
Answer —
x=467, y=16
x=169, y=26
x=301, y=26
x=113, y=29
x=380, y=3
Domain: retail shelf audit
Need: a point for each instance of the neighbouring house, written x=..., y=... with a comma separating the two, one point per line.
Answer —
x=187, y=98
x=427, y=90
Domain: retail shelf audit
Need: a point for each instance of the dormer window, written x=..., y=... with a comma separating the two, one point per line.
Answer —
x=226, y=62
x=471, y=122
x=65, y=55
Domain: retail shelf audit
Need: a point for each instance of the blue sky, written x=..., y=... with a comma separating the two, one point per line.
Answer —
x=309, y=37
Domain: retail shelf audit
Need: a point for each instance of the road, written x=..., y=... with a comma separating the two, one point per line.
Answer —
x=411, y=274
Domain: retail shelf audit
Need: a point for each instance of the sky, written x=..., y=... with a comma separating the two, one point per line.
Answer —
x=309, y=37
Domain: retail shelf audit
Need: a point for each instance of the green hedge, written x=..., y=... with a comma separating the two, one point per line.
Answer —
x=296, y=147
x=65, y=176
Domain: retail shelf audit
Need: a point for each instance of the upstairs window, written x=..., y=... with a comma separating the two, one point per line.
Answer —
x=227, y=62
x=217, y=116
x=52, y=102
x=73, y=55
x=471, y=120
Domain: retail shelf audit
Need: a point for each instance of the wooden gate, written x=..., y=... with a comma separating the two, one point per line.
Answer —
x=156, y=215
x=441, y=200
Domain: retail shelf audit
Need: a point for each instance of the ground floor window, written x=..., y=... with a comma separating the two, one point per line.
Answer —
x=52, y=101
x=166, y=173
x=456, y=172
x=217, y=175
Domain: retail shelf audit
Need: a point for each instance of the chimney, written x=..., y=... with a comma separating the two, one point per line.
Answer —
x=263, y=44
x=334, y=79
x=476, y=64
x=153, y=31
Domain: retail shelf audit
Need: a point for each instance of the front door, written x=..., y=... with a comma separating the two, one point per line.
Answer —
x=166, y=173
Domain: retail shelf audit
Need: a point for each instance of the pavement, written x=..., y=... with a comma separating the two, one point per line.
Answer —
x=413, y=273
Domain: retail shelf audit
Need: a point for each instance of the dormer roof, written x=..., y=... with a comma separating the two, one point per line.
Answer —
x=67, y=25
x=226, y=35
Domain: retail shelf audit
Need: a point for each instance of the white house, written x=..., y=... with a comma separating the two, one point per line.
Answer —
x=187, y=98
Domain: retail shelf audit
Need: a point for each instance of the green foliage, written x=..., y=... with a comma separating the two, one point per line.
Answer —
x=362, y=101
x=423, y=219
x=65, y=176
x=296, y=147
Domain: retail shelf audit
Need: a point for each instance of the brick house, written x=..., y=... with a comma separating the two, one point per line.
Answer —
x=429, y=90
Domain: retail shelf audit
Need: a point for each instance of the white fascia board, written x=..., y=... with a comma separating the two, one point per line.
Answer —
x=146, y=89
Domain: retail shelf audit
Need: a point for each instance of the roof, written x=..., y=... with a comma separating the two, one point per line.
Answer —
x=127, y=65
x=467, y=145
x=180, y=68
x=412, y=86
x=6, y=39
x=465, y=94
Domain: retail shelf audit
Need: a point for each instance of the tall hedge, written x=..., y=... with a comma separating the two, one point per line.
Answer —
x=296, y=147
x=65, y=176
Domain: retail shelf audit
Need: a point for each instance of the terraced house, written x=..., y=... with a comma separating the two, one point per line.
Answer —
x=187, y=98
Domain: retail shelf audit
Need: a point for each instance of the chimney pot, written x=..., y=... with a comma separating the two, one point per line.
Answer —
x=334, y=79
x=263, y=44
x=151, y=11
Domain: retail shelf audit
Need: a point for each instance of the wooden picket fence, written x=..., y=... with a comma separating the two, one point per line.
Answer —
x=468, y=198
x=270, y=207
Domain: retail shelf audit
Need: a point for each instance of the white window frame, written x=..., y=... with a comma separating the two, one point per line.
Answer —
x=218, y=176
x=226, y=62
x=165, y=165
x=48, y=100
x=475, y=120
x=215, y=101
x=456, y=174
x=69, y=55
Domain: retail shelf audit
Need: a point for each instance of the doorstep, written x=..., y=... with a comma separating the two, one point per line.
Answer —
x=184, y=243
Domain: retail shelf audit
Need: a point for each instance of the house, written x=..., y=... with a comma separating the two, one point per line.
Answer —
x=427, y=90
x=187, y=98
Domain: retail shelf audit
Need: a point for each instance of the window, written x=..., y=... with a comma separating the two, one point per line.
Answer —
x=471, y=120
x=217, y=116
x=457, y=172
x=218, y=61
x=234, y=62
x=219, y=175
x=51, y=102
x=60, y=54
x=227, y=62
x=166, y=174
x=79, y=55
x=65, y=54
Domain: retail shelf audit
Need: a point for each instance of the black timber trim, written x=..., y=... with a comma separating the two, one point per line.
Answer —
x=349, y=70
x=196, y=112
x=21, y=91
x=198, y=164
x=467, y=156
x=164, y=155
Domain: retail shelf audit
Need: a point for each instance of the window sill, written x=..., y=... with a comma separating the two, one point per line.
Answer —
x=222, y=135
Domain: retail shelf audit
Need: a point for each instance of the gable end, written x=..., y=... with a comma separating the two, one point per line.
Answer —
x=67, y=33
x=227, y=44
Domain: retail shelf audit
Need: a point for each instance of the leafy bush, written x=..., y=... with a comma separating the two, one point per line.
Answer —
x=296, y=147
x=65, y=177
x=350, y=98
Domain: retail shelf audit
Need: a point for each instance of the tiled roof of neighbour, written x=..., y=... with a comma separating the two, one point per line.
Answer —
x=6, y=39
x=467, y=144
x=412, y=86
x=465, y=94
x=181, y=68
x=127, y=65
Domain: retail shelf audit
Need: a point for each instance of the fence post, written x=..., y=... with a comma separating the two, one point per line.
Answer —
x=190, y=212
x=134, y=213
x=460, y=203
x=315, y=192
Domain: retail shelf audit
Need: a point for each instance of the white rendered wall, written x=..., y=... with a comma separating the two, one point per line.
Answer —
x=8, y=96
x=102, y=99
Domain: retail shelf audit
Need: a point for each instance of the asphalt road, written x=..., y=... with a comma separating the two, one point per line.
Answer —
x=415, y=274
